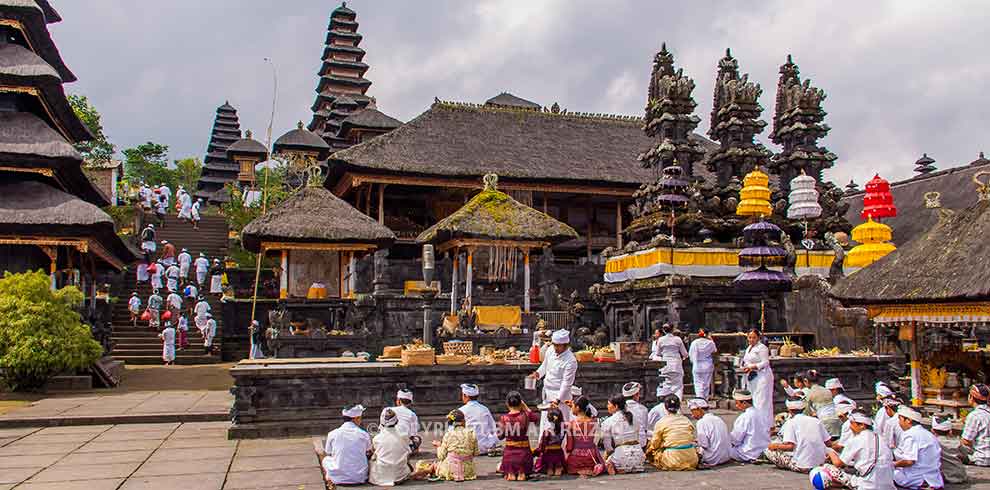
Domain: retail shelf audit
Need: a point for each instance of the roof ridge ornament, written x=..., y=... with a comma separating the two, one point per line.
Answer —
x=490, y=181
x=982, y=188
x=932, y=200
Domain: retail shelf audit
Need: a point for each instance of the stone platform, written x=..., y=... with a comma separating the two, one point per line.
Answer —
x=302, y=397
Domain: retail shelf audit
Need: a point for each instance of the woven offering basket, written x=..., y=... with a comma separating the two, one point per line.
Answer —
x=458, y=348
x=417, y=357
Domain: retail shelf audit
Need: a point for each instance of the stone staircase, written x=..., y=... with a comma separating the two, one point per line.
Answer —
x=141, y=345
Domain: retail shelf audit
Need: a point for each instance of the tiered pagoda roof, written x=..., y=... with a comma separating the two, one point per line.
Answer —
x=46, y=200
x=342, y=88
x=218, y=169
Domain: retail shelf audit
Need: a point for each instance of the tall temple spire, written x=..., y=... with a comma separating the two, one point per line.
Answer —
x=218, y=169
x=342, y=89
x=670, y=117
x=735, y=123
x=798, y=125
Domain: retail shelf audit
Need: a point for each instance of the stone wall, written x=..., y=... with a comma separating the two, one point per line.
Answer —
x=306, y=399
x=811, y=308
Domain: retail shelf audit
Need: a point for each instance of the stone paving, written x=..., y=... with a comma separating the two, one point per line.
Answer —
x=197, y=456
x=145, y=403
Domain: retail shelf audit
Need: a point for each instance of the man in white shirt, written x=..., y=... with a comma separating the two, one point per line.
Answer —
x=918, y=456
x=174, y=302
x=865, y=453
x=478, y=418
x=632, y=391
x=185, y=261
x=750, y=434
x=803, y=439
x=889, y=429
x=975, y=439
x=202, y=268
x=838, y=392
x=701, y=353
x=714, y=441
x=843, y=411
x=558, y=370
x=659, y=410
x=134, y=307
x=408, y=420
x=209, y=332
x=344, y=457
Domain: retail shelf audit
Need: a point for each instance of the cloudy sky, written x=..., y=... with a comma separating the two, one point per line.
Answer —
x=902, y=77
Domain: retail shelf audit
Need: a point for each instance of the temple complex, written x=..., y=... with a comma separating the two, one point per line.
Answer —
x=343, y=114
x=50, y=216
x=218, y=169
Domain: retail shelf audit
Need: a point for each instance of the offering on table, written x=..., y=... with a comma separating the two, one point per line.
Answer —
x=585, y=355
x=823, y=352
x=605, y=354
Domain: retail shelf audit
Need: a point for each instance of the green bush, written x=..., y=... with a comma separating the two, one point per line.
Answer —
x=41, y=331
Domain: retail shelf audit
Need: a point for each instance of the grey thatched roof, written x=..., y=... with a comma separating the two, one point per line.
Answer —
x=494, y=215
x=247, y=146
x=18, y=61
x=26, y=134
x=912, y=218
x=467, y=140
x=950, y=261
x=302, y=139
x=51, y=15
x=315, y=215
x=34, y=19
x=34, y=208
x=371, y=118
x=506, y=99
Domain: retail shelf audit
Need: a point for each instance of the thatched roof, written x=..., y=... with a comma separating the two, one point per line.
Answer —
x=33, y=17
x=302, y=139
x=18, y=61
x=467, y=141
x=506, y=99
x=247, y=146
x=950, y=261
x=494, y=215
x=33, y=208
x=371, y=118
x=912, y=218
x=315, y=215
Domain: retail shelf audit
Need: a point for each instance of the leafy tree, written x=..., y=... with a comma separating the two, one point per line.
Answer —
x=99, y=149
x=187, y=172
x=41, y=332
x=239, y=213
x=148, y=162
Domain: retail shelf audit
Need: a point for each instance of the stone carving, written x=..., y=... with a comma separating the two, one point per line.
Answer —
x=835, y=271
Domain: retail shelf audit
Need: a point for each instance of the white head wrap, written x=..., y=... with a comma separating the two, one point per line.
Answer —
x=742, y=395
x=943, y=425
x=795, y=404
x=576, y=391
x=697, y=403
x=404, y=395
x=861, y=418
x=844, y=408
x=389, y=418
x=833, y=383
x=355, y=411
x=469, y=389
x=664, y=390
x=561, y=337
x=883, y=390
x=631, y=388
x=909, y=413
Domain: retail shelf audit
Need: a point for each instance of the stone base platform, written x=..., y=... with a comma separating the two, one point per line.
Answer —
x=302, y=397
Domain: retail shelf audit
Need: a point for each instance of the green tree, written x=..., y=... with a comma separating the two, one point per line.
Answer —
x=148, y=162
x=41, y=331
x=239, y=214
x=99, y=149
x=187, y=172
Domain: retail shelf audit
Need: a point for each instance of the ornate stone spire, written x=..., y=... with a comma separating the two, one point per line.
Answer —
x=670, y=117
x=924, y=165
x=798, y=125
x=735, y=123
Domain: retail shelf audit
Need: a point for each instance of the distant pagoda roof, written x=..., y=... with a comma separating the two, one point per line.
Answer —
x=506, y=99
x=370, y=118
x=342, y=10
x=494, y=215
x=218, y=169
x=468, y=140
x=315, y=215
x=30, y=20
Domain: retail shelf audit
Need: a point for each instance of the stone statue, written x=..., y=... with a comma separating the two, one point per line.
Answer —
x=835, y=272
x=790, y=260
x=278, y=320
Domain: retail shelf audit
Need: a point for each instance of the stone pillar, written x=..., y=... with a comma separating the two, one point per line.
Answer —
x=467, y=281
x=453, y=282
x=283, y=279
x=381, y=203
x=618, y=223
x=526, y=280
x=352, y=275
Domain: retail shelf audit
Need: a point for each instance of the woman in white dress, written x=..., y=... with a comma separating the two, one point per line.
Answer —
x=620, y=435
x=758, y=377
x=670, y=350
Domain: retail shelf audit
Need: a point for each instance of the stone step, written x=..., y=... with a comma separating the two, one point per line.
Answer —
x=184, y=358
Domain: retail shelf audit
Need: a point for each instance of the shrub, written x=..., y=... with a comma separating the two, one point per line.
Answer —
x=41, y=331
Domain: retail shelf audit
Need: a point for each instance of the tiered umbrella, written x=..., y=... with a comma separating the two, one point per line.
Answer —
x=672, y=189
x=878, y=202
x=803, y=199
x=760, y=252
x=874, y=243
x=755, y=195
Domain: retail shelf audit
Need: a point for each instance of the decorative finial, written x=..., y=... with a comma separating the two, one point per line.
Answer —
x=789, y=60
x=247, y=134
x=663, y=47
x=981, y=155
x=343, y=4
x=932, y=200
x=982, y=188
x=728, y=53
x=490, y=181
x=299, y=125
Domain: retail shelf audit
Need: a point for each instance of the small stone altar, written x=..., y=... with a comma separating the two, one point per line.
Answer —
x=284, y=398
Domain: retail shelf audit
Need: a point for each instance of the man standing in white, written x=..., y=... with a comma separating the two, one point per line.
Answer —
x=759, y=377
x=670, y=350
x=478, y=418
x=345, y=456
x=713, y=435
x=185, y=260
x=918, y=456
x=803, y=441
x=558, y=370
x=750, y=432
x=701, y=352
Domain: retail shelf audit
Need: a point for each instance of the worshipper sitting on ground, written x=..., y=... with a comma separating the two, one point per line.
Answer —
x=408, y=421
x=550, y=451
x=582, y=456
x=820, y=403
x=803, y=439
x=672, y=447
x=576, y=391
x=918, y=456
x=478, y=418
x=620, y=436
x=344, y=456
x=658, y=411
x=883, y=392
x=834, y=385
x=712, y=434
x=865, y=454
x=390, y=453
x=517, y=458
x=632, y=391
x=975, y=438
x=953, y=468
x=889, y=429
x=455, y=452
x=750, y=432
x=843, y=410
